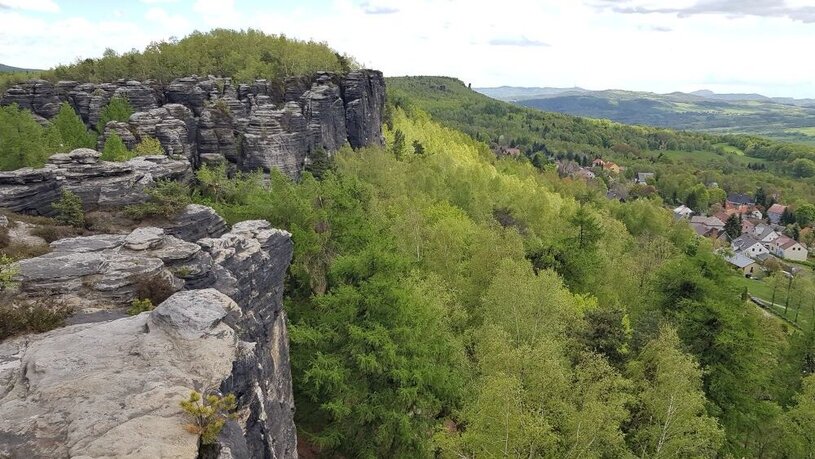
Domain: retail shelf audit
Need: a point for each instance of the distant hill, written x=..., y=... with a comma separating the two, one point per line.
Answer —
x=780, y=118
x=10, y=69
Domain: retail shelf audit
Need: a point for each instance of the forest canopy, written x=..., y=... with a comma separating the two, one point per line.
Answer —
x=242, y=55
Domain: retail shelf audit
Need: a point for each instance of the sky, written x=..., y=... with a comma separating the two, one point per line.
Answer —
x=662, y=46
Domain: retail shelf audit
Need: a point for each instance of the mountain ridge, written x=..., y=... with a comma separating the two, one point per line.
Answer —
x=779, y=118
x=11, y=69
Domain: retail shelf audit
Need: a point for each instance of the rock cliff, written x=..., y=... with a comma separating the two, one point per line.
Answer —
x=213, y=120
x=112, y=388
x=100, y=184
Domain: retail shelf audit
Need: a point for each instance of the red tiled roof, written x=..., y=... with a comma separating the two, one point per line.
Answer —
x=776, y=209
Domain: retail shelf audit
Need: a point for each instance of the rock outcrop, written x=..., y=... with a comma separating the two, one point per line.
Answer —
x=112, y=388
x=100, y=184
x=213, y=120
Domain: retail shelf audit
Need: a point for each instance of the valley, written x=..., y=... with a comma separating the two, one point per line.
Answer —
x=241, y=244
x=784, y=119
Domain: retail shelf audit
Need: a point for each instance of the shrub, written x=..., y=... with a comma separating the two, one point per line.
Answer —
x=8, y=271
x=155, y=288
x=216, y=183
x=70, y=210
x=139, y=306
x=51, y=233
x=5, y=239
x=115, y=149
x=18, y=251
x=320, y=163
x=167, y=199
x=148, y=146
x=118, y=109
x=209, y=414
x=20, y=317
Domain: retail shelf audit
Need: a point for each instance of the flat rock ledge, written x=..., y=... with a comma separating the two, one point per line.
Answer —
x=111, y=388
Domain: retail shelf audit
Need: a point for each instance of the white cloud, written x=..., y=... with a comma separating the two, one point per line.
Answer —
x=159, y=17
x=42, y=6
x=486, y=43
x=218, y=13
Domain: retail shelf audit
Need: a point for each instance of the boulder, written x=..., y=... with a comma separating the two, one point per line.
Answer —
x=196, y=222
x=29, y=190
x=112, y=389
x=231, y=336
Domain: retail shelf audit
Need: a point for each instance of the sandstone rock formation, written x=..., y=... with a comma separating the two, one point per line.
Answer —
x=100, y=184
x=112, y=388
x=213, y=120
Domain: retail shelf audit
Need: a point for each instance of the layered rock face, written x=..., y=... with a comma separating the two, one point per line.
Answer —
x=112, y=388
x=100, y=184
x=212, y=120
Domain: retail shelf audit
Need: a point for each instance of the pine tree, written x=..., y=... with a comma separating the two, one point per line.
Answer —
x=118, y=109
x=71, y=131
x=115, y=149
x=22, y=142
x=732, y=226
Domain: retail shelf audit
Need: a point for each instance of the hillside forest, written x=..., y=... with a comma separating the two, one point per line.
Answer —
x=445, y=301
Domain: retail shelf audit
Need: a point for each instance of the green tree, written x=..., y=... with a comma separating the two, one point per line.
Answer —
x=118, y=109
x=799, y=423
x=716, y=196
x=803, y=168
x=589, y=229
x=787, y=217
x=733, y=226
x=147, y=146
x=320, y=163
x=670, y=419
x=115, y=149
x=761, y=197
x=805, y=214
x=22, y=142
x=70, y=210
x=698, y=198
x=70, y=130
x=398, y=146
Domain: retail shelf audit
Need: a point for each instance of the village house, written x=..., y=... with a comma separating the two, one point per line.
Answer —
x=512, y=152
x=566, y=168
x=788, y=249
x=643, y=177
x=740, y=203
x=775, y=212
x=710, y=222
x=682, y=211
x=607, y=165
x=612, y=167
x=765, y=233
x=747, y=227
x=747, y=245
x=584, y=174
x=747, y=266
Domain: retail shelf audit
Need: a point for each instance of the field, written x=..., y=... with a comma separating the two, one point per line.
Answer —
x=700, y=157
x=801, y=308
